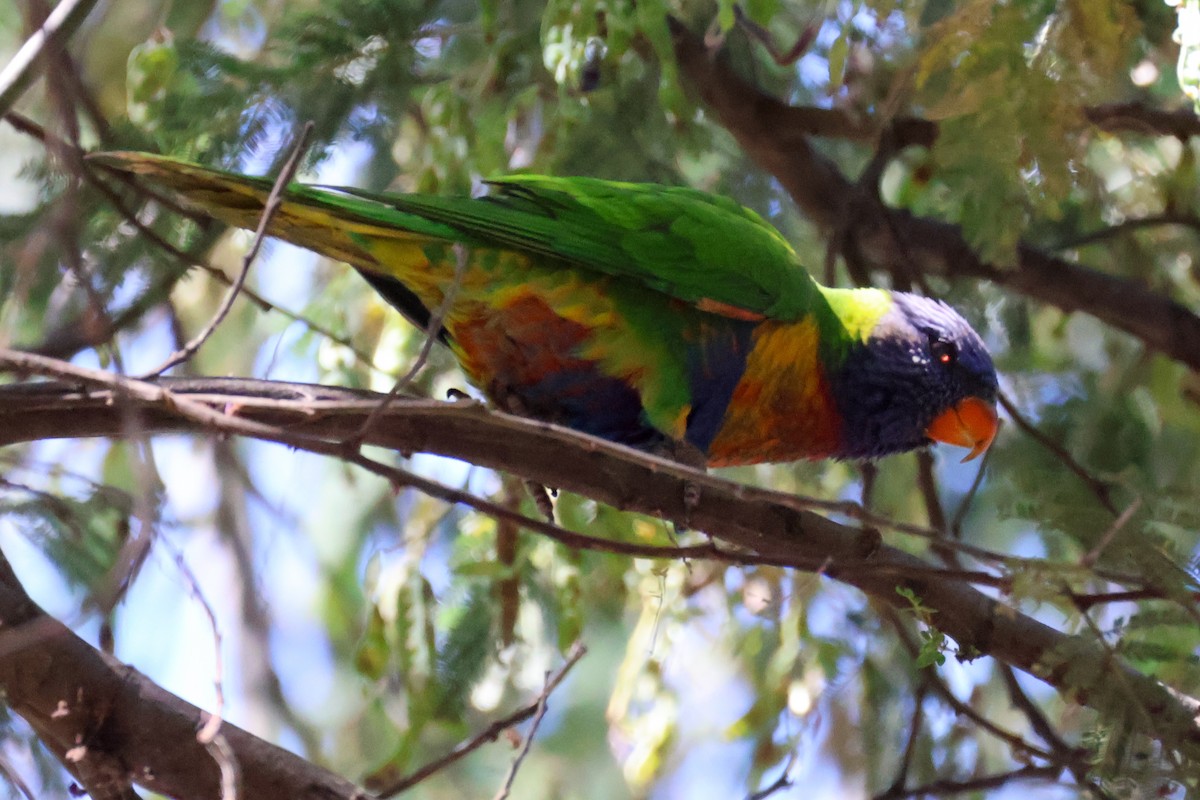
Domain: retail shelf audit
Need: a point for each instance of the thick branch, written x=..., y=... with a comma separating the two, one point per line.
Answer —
x=764, y=522
x=87, y=707
x=891, y=239
x=1182, y=123
x=842, y=123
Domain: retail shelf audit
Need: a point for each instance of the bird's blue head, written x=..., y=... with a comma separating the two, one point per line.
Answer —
x=922, y=375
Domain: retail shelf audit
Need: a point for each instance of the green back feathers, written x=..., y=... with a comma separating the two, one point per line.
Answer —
x=687, y=244
x=682, y=242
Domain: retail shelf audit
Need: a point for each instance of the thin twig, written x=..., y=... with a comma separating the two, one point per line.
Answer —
x=1097, y=486
x=35, y=131
x=1147, y=717
x=960, y=513
x=505, y=788
x=22, y=69
x=489, y=734
x=461, y=259
x=208, y=731
x=274, y=201
x=1094, y=237
x=14, y=777
x=227, y=763
x=947, y=787
x=869, y=471
x=255, y=631
x=1086, y=601
x=27, y=126
x=939, y=687
x=784, y=58
x=784, y=781
x=914, y=734
x=927, y=483
x=431, y=335
x=1089, y=559
x=1074, y=758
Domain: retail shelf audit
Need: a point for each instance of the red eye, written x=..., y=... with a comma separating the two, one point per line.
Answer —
x=943, y=352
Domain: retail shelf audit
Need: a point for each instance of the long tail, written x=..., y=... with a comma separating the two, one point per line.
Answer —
x=332, y=224
x=388, y=246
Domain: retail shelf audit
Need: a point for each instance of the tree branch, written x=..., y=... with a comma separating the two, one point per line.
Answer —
x=1136, y=116
x=86, y=706
x=892, y=237
x=770, y=524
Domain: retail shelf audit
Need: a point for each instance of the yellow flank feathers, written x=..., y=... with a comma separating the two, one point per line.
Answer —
x=783, y=391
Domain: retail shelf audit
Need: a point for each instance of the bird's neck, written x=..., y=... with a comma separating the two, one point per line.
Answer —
x=857, y=311
x=784, y=406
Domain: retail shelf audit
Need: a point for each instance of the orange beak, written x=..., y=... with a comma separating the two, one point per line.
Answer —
x=972, y=423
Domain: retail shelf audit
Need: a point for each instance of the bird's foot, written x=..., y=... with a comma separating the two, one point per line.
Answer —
x=691, y=501
x=543, y=498
x=690, y=456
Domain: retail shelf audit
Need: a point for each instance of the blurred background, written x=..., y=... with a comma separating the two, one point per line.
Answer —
x=371, y=631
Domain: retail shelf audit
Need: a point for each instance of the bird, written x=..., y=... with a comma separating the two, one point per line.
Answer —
x=659, y=317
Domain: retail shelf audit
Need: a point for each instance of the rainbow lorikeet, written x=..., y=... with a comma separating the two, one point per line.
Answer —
x=659, y=317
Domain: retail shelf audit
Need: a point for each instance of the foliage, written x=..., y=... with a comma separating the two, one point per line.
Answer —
x=395, y=626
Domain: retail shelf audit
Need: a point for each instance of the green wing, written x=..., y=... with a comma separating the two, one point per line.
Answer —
x=685, y=243
x=696, y=247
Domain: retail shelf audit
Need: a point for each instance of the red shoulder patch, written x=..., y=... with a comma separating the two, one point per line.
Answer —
x=726, y=310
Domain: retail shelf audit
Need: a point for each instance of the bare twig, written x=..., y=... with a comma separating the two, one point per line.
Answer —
x=22, y=69
x=1138, y=117
x=1089, y=559
x=927, y=484
x=489, y=734
x=914, y=734
x=14, y=777
x=960, y=513
x=212, y=725
x=1098, y=487
x=870, y=475
x=1186, y=220
x=461, y=257
x=948, y=787
x=763, y=36
x=1075, y=759
x=505, y=788
x=784, y=781
x=1086, y=601
x=939, y=687
x=274, y=201
x=258, y=672
x=216, y=274
x=220, y=751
